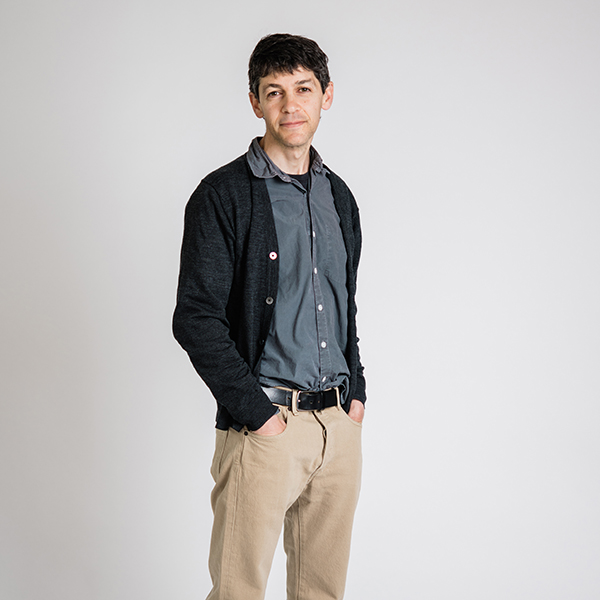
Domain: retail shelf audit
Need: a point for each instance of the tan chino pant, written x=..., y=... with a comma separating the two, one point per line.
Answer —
x=305, y=479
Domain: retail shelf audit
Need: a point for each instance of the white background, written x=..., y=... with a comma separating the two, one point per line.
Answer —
x=470, y=134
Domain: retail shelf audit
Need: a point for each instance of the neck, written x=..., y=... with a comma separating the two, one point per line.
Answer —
x=294, y=161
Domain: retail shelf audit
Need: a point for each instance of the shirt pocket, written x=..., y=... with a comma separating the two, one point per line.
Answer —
x=335, y=255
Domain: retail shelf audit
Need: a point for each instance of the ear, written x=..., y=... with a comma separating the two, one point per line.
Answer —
x=255, y=105
x=328, y=97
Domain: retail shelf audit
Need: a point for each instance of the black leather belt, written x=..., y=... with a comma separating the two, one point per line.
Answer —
x=306, y=400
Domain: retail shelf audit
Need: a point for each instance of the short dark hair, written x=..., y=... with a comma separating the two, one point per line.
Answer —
x=284, y=53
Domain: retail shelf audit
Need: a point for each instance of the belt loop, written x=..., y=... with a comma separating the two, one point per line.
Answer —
x=337, y=395
x=295, y=402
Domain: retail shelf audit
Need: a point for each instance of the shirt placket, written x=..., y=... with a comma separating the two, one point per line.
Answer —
x=325, y=366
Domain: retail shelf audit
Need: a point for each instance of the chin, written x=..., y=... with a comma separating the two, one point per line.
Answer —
x=296, y=142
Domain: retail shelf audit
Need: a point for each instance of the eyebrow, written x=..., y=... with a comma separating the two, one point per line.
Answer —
x=301, y=82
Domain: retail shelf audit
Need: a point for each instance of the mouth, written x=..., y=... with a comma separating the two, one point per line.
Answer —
x=292, y=124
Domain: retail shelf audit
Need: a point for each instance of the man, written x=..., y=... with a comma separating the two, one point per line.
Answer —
x=266, y=312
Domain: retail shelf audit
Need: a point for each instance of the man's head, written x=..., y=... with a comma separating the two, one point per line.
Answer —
x=285, y=53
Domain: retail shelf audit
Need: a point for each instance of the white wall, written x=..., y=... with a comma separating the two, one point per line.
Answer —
x=469, y=132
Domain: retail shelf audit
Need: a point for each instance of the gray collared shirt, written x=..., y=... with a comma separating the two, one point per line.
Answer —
x=306, y=344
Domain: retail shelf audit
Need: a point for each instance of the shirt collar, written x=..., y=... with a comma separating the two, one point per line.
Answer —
x=262, y=166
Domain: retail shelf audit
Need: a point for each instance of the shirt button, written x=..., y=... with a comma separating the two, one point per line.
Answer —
x=324, y=379
x=315, y=270
x=273, y=255
x=314, y=234
x=323, y=344
x=269, y=300
x=320, y=307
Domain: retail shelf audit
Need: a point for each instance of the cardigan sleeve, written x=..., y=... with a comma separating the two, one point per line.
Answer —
x=200, y=321
x=350, y=223
x=360, y=392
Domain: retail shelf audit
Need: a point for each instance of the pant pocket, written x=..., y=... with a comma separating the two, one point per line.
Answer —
x=349, y=418
x=283, y=415
x=220, y=440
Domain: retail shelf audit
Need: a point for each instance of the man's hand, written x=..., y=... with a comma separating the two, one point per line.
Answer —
x=357, y=411
x=274, y=426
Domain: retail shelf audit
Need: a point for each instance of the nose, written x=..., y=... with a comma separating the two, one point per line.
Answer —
x=290, y=104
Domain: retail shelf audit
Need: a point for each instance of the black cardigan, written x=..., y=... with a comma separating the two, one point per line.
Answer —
x=228, y=289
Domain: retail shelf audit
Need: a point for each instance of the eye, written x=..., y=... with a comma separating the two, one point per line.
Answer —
x=305, y=89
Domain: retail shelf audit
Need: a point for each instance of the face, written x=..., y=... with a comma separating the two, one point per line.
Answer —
x=291, y=104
